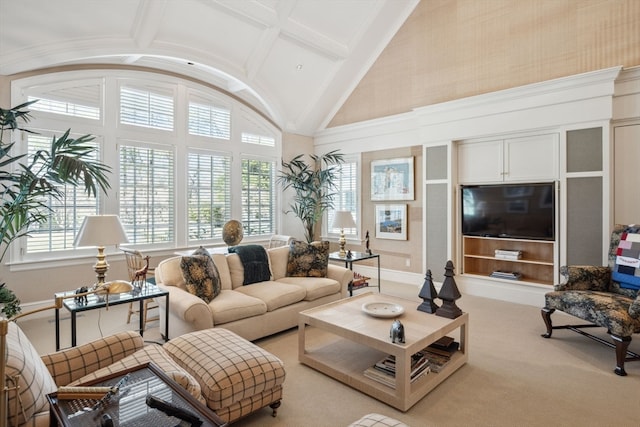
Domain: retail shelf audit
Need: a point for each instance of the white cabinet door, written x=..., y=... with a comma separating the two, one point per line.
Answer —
x=480, y=162
x=531, y=158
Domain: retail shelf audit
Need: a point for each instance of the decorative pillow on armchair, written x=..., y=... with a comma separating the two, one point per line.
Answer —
x=308, y=260
x=201, y=276
x=627, y=262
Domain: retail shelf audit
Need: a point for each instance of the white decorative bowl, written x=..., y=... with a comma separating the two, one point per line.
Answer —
x=382, y=309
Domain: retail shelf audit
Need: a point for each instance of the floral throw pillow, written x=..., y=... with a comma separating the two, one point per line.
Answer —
x=308, y=259
x=201, y=276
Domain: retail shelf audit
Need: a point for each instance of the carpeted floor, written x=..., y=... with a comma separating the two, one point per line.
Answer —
x=514, y=377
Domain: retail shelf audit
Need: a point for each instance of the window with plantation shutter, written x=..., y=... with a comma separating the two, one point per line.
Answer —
x=208, y=194
x=209, y=120
x=178, y=150
x=346, y=198
x=146, y=194
x=82, y=101
x=146, y=107
x=250, y=138
x=67, y=212
x=258, y=196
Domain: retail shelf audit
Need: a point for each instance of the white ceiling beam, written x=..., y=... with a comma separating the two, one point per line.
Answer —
x=147, y=22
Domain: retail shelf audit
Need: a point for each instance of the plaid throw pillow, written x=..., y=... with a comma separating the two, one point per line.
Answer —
x=308, y=260
x=201, y=276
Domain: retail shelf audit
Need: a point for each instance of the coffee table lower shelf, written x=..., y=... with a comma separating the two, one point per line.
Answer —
x=338, y=353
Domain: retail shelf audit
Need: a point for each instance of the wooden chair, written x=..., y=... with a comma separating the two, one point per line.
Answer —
x=138, y=269
x=279, y=240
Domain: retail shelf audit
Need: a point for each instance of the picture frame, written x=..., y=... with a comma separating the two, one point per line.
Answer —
x=391, y=222
x=392, y=179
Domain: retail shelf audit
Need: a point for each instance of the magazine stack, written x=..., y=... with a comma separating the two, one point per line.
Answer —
x=384, y=371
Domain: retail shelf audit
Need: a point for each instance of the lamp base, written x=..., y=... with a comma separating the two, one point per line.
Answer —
x=342, y=242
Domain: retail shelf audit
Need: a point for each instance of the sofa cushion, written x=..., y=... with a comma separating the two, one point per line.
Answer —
x=315, y=287
x=234, y=305
x=308, y=259
x=220, y=260
x=274, y=294
x=34, y=380
x=228, y=367
x=168, y=273
x=278, y=258
x=157, y=355
x=201, y=276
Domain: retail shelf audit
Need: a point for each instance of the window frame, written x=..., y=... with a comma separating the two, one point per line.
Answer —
x=328, y=232
x=112, y=132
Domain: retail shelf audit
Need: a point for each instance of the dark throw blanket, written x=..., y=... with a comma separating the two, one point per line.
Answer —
x=255, y=261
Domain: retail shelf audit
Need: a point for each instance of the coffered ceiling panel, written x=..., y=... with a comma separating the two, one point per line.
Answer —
x=295, y=61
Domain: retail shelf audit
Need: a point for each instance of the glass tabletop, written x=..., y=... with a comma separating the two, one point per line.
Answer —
x=355, y=256
x=92, y=301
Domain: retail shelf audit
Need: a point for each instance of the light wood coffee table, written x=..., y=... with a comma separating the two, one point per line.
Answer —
x=341, y=341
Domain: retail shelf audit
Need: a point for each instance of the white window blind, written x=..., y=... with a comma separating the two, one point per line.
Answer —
x=208, y=194
x=81, y=101
x=250, y=138
x=209, y=120
x=146, y=194
x=346, y=198
x=258, y=196
x=67, y=213
x=145, y=107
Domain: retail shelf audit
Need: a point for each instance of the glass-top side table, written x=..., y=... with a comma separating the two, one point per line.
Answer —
x=95, y=301
x=355, y=257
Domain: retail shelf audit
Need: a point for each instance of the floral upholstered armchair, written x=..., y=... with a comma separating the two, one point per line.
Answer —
x=607, y=297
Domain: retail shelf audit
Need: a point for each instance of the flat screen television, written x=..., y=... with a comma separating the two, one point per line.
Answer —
x=519, y=211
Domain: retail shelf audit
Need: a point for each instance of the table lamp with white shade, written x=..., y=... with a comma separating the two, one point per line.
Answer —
x=101, y=231
x=342, y=220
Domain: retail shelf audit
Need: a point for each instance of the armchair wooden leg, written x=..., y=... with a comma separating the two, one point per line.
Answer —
x=622, y=344
x=274, y=406
x=546, y=316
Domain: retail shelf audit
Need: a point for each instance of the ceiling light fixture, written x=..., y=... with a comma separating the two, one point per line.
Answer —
x=299, y=67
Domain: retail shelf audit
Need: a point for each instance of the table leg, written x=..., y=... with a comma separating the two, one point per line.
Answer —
x=166, y=319
x=349, y=265
x=73, y=329
x=57, y=329
x=141, y=317
x=379, y=284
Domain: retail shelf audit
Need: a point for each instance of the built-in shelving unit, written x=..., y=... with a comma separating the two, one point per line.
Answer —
x=536, y=264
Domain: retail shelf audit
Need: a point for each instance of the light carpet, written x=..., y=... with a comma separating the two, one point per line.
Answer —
x=514, y=377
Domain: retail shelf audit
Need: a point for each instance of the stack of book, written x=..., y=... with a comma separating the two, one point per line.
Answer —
x=359, y=281
x=508, y=254
x=439, y=353
x=511, y=275
x=384, y=371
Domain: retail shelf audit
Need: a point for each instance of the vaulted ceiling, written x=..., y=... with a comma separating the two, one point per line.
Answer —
x=296, y=61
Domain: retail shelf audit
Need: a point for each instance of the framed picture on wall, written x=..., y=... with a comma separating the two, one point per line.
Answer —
x=392, y=179
x=391, y=222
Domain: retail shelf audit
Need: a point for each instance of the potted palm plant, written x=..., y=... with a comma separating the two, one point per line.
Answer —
x=314, y=185
x=27, y=181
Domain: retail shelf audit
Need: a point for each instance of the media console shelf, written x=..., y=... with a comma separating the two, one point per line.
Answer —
x=536, y=264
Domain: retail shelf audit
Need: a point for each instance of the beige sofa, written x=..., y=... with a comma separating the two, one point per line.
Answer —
x=251, y=311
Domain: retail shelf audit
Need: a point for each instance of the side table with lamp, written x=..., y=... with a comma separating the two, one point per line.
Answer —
x=101, y=231
x=344, y=220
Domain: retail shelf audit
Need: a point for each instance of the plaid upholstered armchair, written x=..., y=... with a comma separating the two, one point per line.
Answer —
x=36, y=376
x=607, y=297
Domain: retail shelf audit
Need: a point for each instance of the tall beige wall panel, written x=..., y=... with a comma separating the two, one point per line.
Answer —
x=451, y=49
